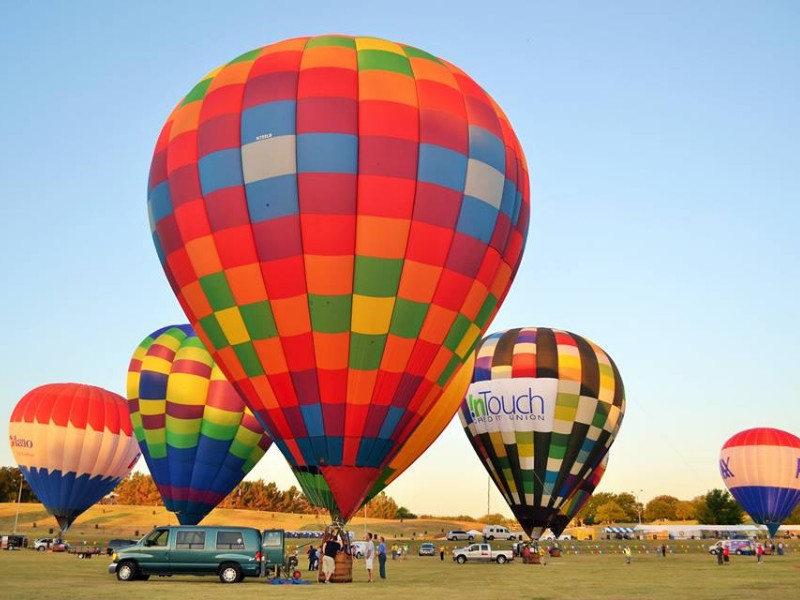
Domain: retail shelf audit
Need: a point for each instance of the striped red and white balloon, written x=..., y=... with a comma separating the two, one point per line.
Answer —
x=74, y=444
x=761, y=468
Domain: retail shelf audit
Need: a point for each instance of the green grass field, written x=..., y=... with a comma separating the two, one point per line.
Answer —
x=590, y=569
x=692, y=575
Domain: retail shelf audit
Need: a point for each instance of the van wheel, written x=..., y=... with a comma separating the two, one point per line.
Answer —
x=470, y=538
x=501, y=559
x=461, y=559
x=41, y=549
x=126, y=571
x=490, y=538
x=230, y=573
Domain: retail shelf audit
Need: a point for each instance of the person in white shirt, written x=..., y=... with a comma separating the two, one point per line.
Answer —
x=369, y=555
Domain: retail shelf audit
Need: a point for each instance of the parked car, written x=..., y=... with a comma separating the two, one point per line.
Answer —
x=746, y=547
x=427, y=550
x=457, y=535
x=482, y=553
x=114, y=545
x=358, y=549
x=551, y=537
x=498, y=532
x=231, y=553
x=54, y=544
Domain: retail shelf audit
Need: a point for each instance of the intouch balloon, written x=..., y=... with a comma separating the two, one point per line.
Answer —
x=761, y=468
x=579, y=499
x=73, y=444
x=197, y=436
x=340, y=219
x=543, y=409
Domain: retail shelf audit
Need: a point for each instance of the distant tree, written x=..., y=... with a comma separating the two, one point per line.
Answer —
x=138, y=489
x=718, y=507
x=588, y=514
x=610, y=512
x=497, y=519
x=467, y=518
x=627, y=502
x=662, y=507
x=10, y=478
x=685, y=510
x=794, y=518
x=382, y=507
x=404, y=513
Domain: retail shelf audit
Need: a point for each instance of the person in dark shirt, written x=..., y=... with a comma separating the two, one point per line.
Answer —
x=329, y=552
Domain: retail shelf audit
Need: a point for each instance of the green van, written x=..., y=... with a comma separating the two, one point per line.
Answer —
x=231, y=553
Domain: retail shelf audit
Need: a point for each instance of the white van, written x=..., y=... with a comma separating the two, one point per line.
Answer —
x=498, y=532
x=747, y=547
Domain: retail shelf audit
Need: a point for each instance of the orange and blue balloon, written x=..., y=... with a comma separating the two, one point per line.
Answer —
x=73, y=444
x=197, y=436
x=761, y=468
x=340, y=219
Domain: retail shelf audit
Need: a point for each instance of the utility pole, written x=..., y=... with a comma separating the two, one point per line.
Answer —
x=638, y=506
x=19, y=500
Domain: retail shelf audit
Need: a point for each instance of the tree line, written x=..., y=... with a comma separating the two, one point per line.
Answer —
x=139, y=489
x=10, y=479
x=717, y=507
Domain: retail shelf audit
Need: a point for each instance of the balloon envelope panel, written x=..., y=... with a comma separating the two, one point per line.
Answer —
x=197, y=436
x=761, y=468
x=578, y=499
x=544, y=407
x=340, y=219
x=430, y=429
x=74, y=444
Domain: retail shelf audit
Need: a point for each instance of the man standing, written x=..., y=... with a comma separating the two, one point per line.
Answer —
x=441, y=552
x=312, y=553
x=329, y=552
x=369, y=554
x=382, y=557
x=628, y=554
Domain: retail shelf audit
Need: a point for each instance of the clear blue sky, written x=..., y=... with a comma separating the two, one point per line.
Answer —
x=662, y=139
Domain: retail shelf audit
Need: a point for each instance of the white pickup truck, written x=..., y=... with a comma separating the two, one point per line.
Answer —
x=482, y=553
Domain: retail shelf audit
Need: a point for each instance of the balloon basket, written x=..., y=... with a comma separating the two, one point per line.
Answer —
x=343, y=571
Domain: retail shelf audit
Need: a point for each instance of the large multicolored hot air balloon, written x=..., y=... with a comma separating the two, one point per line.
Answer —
x=579, y=499
x=430, y=429
x=761, y=468
x=543, y=408
x=74, y=444
x=197, y=436
x=340, y=219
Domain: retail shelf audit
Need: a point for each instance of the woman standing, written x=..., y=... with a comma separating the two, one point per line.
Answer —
x=382, y=557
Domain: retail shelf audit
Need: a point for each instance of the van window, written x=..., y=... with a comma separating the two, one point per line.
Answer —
x=190, y=540
x=272, y=539
x=158, y=538
x=230, y=540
